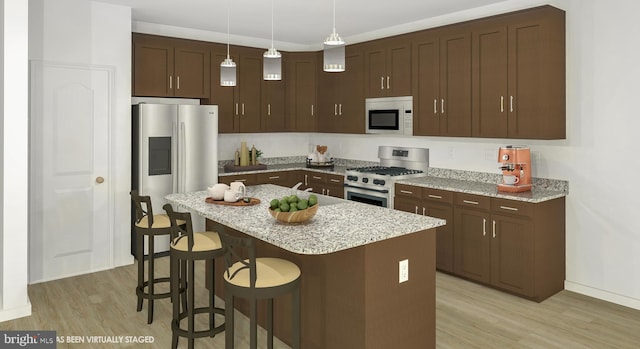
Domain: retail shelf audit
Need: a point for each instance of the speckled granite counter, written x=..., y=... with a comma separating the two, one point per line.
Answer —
x=337, y=226
x=339, y=169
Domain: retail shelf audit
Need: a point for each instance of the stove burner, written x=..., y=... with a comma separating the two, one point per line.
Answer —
x=386, y=171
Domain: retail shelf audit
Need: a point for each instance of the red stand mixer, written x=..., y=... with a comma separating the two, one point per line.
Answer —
x=515, y=163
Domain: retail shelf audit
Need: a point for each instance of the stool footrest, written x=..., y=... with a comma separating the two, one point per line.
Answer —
x=175, y=324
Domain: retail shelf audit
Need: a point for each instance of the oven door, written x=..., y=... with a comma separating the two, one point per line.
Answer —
x=367, y=196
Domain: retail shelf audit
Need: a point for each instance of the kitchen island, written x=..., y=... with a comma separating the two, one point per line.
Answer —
x=349, y=254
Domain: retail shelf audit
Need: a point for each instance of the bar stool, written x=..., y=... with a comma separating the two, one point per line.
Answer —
x=186, y=248
x=148, y=225
x=258, y=278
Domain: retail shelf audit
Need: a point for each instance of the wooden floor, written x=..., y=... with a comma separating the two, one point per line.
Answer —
x=467, y=316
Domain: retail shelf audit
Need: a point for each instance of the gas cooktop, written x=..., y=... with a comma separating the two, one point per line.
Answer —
x=385, y=171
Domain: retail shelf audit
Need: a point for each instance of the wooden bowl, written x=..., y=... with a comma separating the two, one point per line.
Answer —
x=296, y=216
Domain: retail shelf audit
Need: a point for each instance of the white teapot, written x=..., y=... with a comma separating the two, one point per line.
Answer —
x=217, y=191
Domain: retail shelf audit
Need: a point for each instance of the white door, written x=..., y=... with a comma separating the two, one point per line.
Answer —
x=70, y=204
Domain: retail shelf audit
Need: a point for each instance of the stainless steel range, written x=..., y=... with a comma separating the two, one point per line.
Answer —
x=376, y=184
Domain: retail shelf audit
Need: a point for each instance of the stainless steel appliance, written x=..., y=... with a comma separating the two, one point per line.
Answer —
x=174, y=150
x=376, y=185
x=389, y=115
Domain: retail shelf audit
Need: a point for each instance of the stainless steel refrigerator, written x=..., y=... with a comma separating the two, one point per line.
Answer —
x=174, y=150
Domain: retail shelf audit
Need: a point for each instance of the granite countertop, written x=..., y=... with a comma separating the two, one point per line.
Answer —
x=456, y=181
x=337, y=226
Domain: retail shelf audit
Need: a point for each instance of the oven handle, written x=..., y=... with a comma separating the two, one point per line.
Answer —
x=370, y=189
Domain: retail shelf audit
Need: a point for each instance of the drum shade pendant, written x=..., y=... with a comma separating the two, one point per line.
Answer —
x=334, y=49
x=228, y=66
x=272, y=59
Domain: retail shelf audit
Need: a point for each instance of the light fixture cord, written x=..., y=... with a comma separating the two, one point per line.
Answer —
x=334, y=16
x=228, y=36
x=272, y=46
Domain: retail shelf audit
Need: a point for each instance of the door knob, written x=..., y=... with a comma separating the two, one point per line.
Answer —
x=99, y=180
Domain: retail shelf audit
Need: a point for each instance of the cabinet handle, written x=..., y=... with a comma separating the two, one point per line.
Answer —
x=236, y=108
x=502, y=104
x=269, y=109
x=382, y=82
x=416, y=209
x=335, y=109
x=406, y=192
x=435, y=106
x=511, y=104
x=435, y=196
x=484, y=227
x=178, y=82
x=334, y=180
x=494, y=229
x=340, y=109
x=509, y=208
x=327, y=191
x=323, y=192
x=471, y=202
x=442, y=106
x=170, y=81
x=242, y=108
x=388, y=78
x=424, y=211
x=240, y=180
x=274, y=177
x=312, y=110
x=306, y=180
x=316, y=177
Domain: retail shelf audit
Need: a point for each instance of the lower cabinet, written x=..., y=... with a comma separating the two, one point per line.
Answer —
x=246, y=178
x=281, y=178
x=514, y=246
x=327, y=184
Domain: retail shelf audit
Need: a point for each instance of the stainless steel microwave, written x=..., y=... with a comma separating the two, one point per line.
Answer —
x=389, y=115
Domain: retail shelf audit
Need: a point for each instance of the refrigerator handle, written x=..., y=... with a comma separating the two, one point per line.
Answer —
x=182, y=157
x=174, y=154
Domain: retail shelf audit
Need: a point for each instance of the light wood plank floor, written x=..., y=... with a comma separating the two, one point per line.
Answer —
x=467, y=316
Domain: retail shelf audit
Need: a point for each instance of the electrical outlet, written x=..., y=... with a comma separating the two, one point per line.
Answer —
x=403, y=271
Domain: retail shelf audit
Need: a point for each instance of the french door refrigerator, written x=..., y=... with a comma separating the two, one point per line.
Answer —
x=174, y=150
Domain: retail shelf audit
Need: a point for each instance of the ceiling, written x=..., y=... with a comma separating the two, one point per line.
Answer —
x=296, y=22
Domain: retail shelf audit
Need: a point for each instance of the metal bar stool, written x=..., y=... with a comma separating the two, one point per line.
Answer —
x=186, y=248
x=148, y=225
x=258, y=278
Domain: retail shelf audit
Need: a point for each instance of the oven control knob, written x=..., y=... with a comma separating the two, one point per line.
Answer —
x=352, y=178
x=378, y=181
x=365, y=180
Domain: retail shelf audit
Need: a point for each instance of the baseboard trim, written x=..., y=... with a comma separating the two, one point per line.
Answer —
x=603, y=295
x=15, y=313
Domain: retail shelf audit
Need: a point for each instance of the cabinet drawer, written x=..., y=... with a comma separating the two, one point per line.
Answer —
x=473, y=201
x=437, y=195
x=409, y=191
x=511, y=207
x=247, y=179
x=272, y=177
x=335, y=179
x=317, y=177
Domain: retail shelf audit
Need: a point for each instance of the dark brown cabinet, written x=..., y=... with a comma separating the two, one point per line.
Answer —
x=442, y=83
x=273, y=105
x=519, y=75
x=246, y=178
x=387, y=65
x=434, y=203
x=282, y=178
x=168, y=67
x=301, y=85
x=326, y=183
x=341, y=96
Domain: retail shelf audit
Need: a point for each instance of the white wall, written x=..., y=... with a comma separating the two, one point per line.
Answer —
x=14, y=96
x=95, y=33
x=603, y=235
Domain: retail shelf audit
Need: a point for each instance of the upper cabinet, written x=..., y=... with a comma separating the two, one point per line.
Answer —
x=441, y=88
x=301, y=85
x=168, y=67
x=519, y=75
x=387, y=65
x=273, y=103
x=341, y=96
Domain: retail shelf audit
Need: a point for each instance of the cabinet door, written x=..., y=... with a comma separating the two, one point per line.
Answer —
x=329, y=88
x=490, y=81
x=301, y=90
x=152, y=68
x=273, y=106
x=537, y=76
x=426, y=84
x=444, y=235
x=192, y=71
x=375, y=66
x=407, y=204
x=455, y=84
x=398, y=79
x=351, y=99
x=472, y=255
x=277, y=178
x=222, y=96
x=512, y=257
x=247, y=106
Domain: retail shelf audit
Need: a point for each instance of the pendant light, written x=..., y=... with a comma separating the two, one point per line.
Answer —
x=272, y=59
x=228, y=66
x=334, y=49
